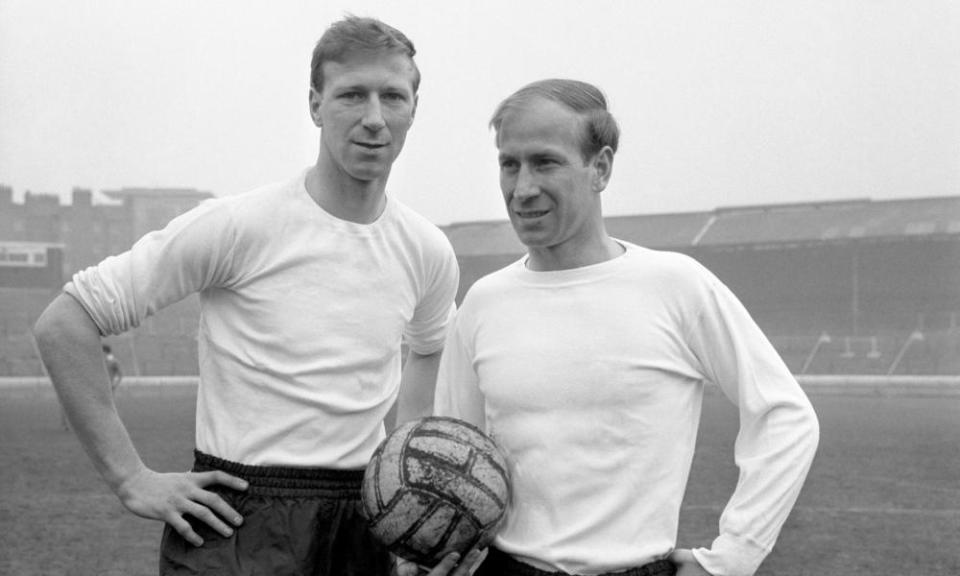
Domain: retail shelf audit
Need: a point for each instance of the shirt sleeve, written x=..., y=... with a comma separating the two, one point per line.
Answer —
x=778, y=437
x=161, y=268
x=427, y=329
x=457, y=393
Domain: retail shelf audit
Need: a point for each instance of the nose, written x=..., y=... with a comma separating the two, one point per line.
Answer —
x=525, y=186
x=373, y=115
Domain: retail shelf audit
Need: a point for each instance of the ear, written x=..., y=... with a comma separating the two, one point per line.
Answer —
x=315, y=99
x=602, y=169
x=413, y=113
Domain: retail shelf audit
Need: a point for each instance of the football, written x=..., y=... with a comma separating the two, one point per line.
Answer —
x=434, y=486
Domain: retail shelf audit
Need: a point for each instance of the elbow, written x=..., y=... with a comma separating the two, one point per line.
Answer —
x=62, y=319
x=45, y=328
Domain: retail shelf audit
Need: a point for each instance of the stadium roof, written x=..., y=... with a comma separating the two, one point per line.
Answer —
x=157, y=192
x=813, y=222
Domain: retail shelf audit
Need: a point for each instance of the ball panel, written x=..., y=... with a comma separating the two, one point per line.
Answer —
x=451, y=485
x=368, y=493
x=382, y=478
x=401, y=516
x=462, y=534
x=491, y=473
x=443, y=447
x=430, y=533
x=460, y=431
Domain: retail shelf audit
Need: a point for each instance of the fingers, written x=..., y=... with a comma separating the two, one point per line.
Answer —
x=218, y=477
x=452, y=566
x=206, y=506
x=406, y=568
x=682, y=556
x=176, y=517
x=184, y=529
x=212, y=501
x=204, y=514
x=687, y=564
x=169, y=497
x=472, y=561
x=448, y=563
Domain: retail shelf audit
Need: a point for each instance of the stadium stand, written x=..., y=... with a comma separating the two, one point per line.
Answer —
x=847, y=287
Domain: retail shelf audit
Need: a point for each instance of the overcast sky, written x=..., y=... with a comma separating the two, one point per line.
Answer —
x=720, y=102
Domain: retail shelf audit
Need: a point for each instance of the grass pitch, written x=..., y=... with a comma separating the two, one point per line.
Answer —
x=883, y=496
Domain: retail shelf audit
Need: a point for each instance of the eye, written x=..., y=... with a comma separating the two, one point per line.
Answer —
x=508, y=165
x=394, y=97
x=546, y=163
x=350, y=96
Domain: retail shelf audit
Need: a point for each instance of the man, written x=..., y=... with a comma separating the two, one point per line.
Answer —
x=307, y=288
x=586, y=360
x=114, y=372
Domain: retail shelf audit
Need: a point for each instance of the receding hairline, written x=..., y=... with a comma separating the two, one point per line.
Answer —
x=578, y=96
x=595, y=125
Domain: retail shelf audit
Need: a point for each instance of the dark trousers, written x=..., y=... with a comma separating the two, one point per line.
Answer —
x=500, y=563
x=296, y=521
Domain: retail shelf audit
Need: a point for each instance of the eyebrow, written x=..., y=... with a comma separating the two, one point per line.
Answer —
x=534, y=156
x=361, y=87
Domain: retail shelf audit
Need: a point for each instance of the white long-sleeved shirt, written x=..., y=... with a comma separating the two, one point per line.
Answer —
x=591, y=380
x=302, y=316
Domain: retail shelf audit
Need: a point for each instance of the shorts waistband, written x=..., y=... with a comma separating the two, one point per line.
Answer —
x=499, y=561
x=286, y=481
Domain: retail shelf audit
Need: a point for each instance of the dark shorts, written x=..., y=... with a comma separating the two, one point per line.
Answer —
x=499, y=563
x=295, y=522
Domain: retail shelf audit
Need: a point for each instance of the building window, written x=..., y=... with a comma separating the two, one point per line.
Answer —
x=13, y=254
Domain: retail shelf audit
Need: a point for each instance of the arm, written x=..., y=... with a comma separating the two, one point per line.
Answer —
x=457, y=392
x=424, y=335
x=69, y=344
x=417, y=386
x=778, y=435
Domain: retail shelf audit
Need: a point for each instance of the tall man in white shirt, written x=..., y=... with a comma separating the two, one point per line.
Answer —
x=307, y=288
x=587, y=359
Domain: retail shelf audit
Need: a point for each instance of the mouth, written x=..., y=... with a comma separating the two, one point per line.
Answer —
x=530, y=214
x=371, y=145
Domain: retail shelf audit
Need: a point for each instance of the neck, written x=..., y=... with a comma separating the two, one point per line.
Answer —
x=360, y=201
x=562, y=257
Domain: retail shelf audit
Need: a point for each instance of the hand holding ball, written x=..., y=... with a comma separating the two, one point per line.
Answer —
x=434, y=486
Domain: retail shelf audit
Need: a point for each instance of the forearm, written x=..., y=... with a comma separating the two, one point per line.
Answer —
x=69, y=345
x=417, y=386
x=778, y=433
x=774, y=451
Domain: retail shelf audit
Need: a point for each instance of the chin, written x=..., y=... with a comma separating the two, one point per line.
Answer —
x=368, y=175
x=532, y=240
x=530, y=236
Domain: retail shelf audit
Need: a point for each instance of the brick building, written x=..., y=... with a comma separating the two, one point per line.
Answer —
x=43, y=242
x=91, y=231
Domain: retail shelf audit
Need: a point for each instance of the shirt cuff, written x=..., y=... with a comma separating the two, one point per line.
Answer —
x=731, y=556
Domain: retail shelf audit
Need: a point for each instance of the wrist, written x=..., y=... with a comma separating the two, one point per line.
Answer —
x=122, y=479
